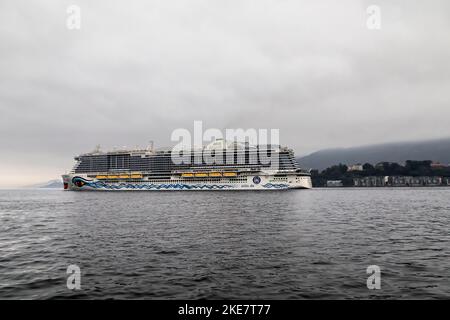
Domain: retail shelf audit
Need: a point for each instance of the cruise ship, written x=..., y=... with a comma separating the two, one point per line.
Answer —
x=245, y=168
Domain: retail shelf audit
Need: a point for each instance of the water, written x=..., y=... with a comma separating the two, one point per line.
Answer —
x=297, y=244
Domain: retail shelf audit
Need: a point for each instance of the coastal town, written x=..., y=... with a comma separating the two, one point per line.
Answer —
x=384, y=174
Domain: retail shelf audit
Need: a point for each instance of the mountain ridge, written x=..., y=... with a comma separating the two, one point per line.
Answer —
x=436, y=150
x=55, y=183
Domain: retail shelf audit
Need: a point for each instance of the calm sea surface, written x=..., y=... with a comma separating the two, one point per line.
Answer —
x=298, y=244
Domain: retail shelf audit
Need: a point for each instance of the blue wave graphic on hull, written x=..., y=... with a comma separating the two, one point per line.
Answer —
x=80, y=182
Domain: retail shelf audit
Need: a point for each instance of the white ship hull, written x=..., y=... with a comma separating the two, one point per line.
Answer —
x=220, y=165
x=81, y=182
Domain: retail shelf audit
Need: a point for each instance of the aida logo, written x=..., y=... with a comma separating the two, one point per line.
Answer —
x=256, y=180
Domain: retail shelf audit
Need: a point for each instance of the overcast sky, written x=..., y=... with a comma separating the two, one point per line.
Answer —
x=137, y=70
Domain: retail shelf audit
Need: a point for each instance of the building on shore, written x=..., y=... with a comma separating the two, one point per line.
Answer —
x=383, y=165
x=438, y=165
x=371, y=181
x=334, y=183
x=400, y=181
x=433, y=181
x=415, y=181
x=426, y=181
x=355, y=167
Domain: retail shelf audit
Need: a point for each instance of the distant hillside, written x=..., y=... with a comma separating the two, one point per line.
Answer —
x=57, y=183
x=436, y=150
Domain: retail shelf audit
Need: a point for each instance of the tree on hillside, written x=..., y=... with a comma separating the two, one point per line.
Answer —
x=369, y=169
x=335, y=172
x=418, y=168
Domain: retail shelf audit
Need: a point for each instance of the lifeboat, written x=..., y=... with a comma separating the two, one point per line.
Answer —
x=215, y=174
x=187, y=175
x=201, y=174
x=101, y=177
x=136, y=176
x=229, y=174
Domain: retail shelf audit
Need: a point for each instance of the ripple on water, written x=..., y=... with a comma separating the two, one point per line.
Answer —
x=312, y=244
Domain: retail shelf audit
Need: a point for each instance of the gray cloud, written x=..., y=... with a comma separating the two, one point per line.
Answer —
x=136, y=71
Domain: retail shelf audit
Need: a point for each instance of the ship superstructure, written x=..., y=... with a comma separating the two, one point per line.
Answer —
x=220, y=165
